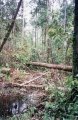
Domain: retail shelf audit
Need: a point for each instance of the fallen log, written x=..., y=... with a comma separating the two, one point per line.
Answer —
x=53, y=66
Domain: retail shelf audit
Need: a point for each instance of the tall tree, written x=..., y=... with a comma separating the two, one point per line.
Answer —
x=75, y=42
x=11, y=26
x=40, y=17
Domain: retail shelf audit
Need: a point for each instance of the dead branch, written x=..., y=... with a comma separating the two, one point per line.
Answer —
x=27, y=82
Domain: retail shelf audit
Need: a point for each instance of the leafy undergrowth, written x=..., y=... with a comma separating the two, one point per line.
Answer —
x=59, y=105
x=64, y=105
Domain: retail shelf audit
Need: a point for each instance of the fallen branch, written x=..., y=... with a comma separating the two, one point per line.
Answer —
x=54, y=66
x=27, y=82
x=6, y=85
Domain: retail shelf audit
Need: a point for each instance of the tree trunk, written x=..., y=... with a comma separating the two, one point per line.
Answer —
x=42, y=40
x=10, y=27
x=23, y=21
x=75, y=42
x=49, y=51
x=65, y=14
x=45, y=37
x=35, y=36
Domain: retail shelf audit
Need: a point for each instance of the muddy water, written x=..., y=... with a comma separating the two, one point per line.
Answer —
x=14, y=103
x=11, y=106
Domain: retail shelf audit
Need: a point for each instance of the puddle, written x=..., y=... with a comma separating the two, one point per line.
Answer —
x=15, y=103
x=12, y=105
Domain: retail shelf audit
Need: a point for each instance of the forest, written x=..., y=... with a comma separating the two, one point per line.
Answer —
x=38, y=59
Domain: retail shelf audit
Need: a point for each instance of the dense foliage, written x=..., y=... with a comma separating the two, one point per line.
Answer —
x=49, y=41
x=51, y=37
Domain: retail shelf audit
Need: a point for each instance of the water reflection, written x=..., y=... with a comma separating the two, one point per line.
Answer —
x=12, y=106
